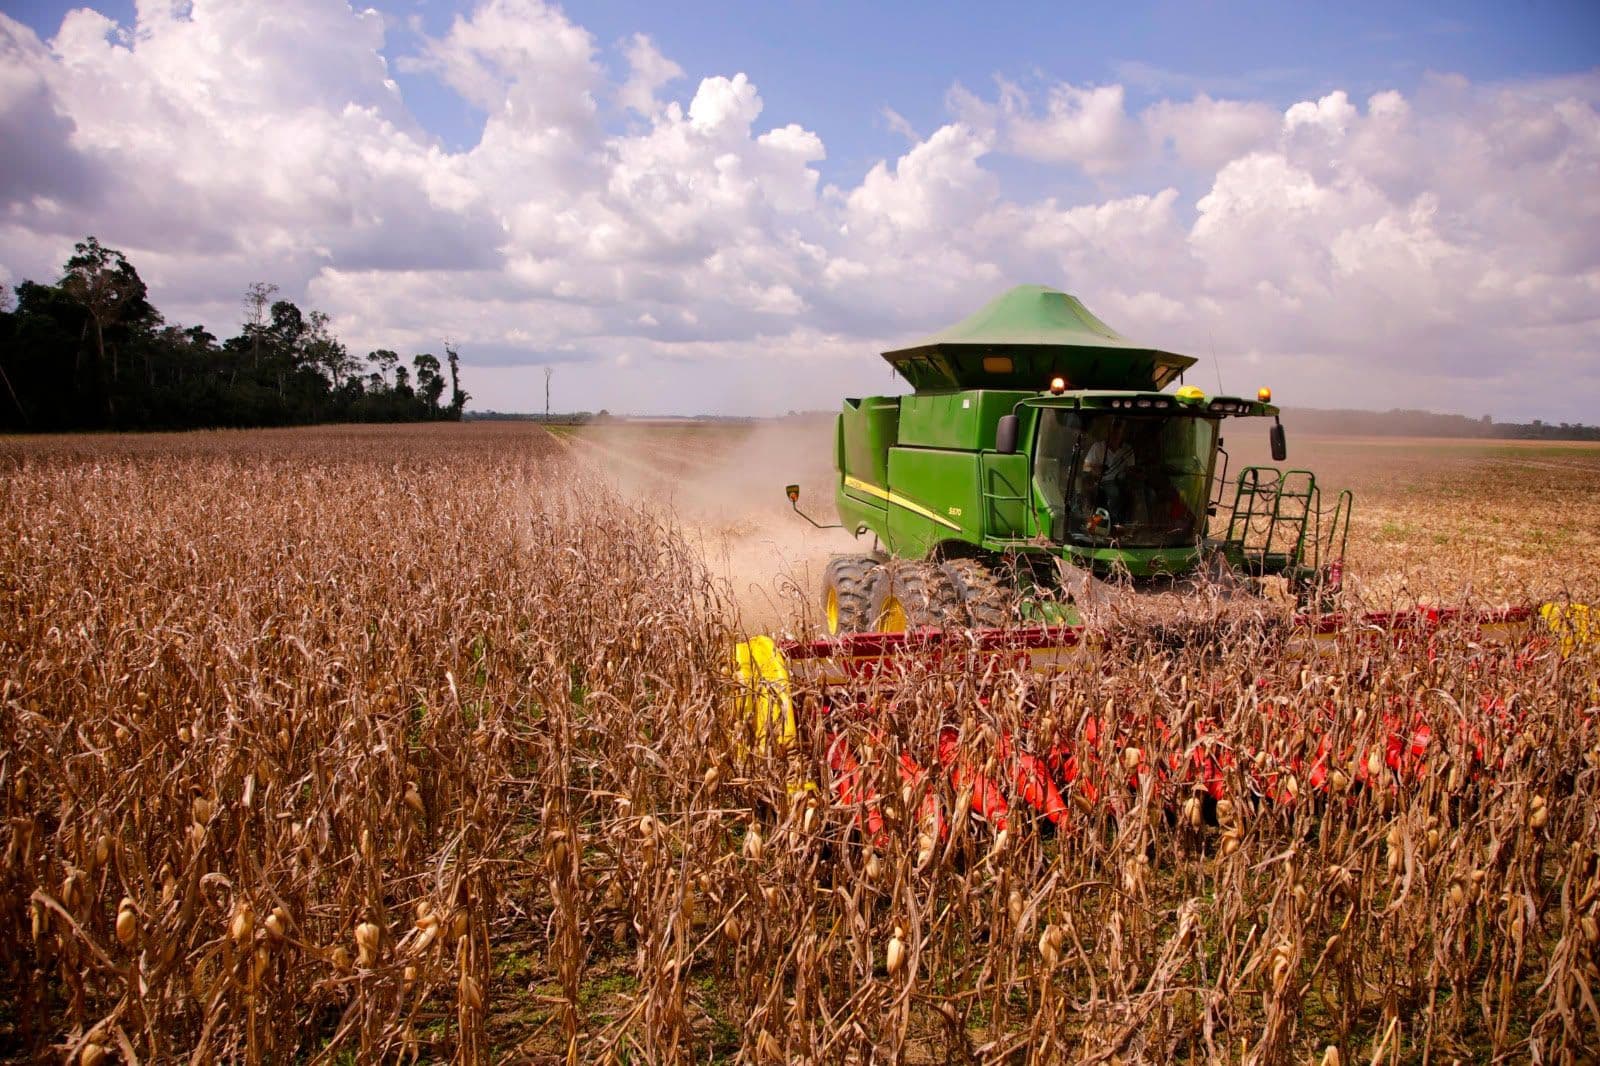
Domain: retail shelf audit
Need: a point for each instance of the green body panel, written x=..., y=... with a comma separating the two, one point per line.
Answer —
x=867, y=430
x=1007, y=499
x=936, y=494
x=964, y=419
x=1139, y=562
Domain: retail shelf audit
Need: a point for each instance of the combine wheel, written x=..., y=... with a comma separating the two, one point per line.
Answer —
x=846, y=592
x=907, y=595
x=988, y=602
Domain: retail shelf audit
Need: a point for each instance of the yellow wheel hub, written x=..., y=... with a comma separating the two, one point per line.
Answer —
x=831, y=608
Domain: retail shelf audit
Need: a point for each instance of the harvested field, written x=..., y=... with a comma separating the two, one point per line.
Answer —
x=360, y=744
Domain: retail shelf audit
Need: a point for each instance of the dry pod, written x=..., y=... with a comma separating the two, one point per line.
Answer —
x=277, y=923
x=1001, y=839
x=127, y=922
x=896, y=955
x=1050, y=942
x=752, y=843
x=243, y=923
x=925, y=848
x=1280, y=972
x=366, y=944
x=94, y=1055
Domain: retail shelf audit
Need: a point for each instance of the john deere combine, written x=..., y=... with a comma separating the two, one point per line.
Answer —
x=1042, y=455
x=1045, y=467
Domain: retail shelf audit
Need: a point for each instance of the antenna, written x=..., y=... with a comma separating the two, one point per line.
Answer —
x=1212, y=341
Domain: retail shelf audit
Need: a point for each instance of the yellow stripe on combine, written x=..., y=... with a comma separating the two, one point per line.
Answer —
x=898, y=501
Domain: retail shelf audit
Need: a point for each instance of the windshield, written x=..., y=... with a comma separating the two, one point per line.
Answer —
x=1122, y=480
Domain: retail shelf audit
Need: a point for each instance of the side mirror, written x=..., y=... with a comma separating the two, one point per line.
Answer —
x=793, y=492
x=1005, y=435
x=1280, y=446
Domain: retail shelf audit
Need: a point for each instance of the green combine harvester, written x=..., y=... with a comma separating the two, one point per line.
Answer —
x=1042, y=469
x=1040, y=463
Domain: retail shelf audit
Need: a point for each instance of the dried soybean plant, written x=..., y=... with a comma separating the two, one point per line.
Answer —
x=424, y=744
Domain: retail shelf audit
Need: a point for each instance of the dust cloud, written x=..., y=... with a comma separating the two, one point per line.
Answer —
x=723, y=484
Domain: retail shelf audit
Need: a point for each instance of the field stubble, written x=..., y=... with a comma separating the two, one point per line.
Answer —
x=416, y=742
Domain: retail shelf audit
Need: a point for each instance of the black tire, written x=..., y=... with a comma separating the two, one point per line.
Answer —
x=988, y=601
x=906, y=595
x=846, y=588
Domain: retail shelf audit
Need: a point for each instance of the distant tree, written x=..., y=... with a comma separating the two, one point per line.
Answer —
x=104, y=283
x=458, y=399
x=257, y=298
x=91, y=351
x=385, y=362
x=430, y=382
x=324, y=351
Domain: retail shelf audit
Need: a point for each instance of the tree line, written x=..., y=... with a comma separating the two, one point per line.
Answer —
x=91, y=352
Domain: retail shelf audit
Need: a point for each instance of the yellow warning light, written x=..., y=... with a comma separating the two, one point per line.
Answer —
x=1264, y=394
x=1058, y=386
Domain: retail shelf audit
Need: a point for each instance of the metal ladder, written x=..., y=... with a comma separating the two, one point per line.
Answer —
x=1279, y=526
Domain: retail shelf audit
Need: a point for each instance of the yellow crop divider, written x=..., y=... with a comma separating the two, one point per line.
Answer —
x=764, y=693
x=1572, y=624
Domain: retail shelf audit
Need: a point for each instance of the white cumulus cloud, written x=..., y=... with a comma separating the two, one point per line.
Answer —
x=1438, y=247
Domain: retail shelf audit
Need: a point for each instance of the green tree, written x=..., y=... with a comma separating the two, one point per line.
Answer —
x=458, y=399
x=430, y=383
x=385, y=362
x=109, y=289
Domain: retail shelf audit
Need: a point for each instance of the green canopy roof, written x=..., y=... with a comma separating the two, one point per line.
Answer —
x=1025, y=337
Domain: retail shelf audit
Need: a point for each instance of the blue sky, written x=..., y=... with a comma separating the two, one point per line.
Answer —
x=833, y=66
x=1372, y=199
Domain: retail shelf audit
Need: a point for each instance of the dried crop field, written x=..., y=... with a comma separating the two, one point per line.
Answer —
x=419, y=743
